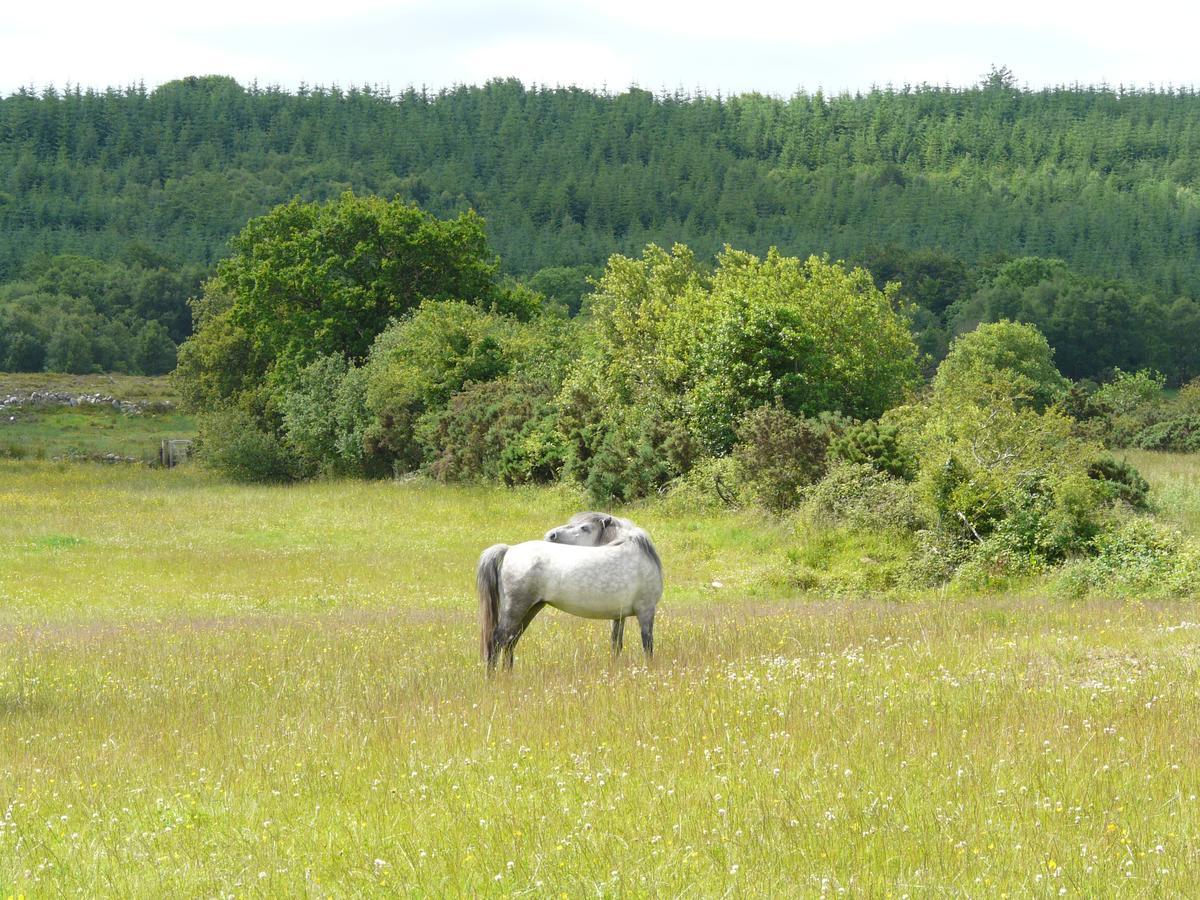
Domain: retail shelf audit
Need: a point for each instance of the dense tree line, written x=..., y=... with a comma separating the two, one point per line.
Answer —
x=364, y=337
x=1101, y=178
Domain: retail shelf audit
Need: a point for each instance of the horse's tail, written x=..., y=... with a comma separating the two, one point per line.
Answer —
x=487, y=584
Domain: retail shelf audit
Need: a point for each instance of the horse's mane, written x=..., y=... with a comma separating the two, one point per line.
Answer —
x=641, y=540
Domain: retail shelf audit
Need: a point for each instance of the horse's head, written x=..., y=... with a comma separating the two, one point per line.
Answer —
x=590, y=529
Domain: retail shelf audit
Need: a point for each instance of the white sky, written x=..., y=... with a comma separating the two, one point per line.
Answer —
x=732, y=46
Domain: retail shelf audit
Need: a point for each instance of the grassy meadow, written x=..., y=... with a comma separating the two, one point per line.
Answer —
x=90, y=432
x=214, y=690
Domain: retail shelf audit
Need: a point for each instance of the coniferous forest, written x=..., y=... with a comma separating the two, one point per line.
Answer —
x=1074, y=208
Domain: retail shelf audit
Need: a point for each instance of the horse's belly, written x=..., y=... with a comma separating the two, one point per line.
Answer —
x=593, y=607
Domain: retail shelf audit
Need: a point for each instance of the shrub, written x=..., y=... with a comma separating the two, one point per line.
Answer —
x=1179, y=435
x=1135, y=556
x=876, y=445
x=1014, y=355
x=809, y=333
x=860, y=496
x=1130, y=392
x=637, y=457
x=1121, y=481
x=707, y=349
x=419, y=363
x=1131, y=402
x=325, y=418
x=232, y=442
x=997, y=471
x=778, y=453
x=503, y=430
x=1187, y=402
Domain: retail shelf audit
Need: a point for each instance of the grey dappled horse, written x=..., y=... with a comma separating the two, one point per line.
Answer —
x=596, y=566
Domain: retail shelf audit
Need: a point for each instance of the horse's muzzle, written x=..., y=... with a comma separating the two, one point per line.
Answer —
x=552, y=535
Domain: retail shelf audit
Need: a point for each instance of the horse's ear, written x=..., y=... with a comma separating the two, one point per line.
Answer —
x=607, y=522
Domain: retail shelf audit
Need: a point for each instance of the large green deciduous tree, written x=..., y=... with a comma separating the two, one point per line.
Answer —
x=313, y=280
x=1010, y=353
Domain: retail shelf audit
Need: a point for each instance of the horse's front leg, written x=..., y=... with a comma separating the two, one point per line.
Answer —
x=618, y=636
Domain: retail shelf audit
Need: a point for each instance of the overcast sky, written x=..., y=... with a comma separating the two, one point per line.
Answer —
x=731, y=46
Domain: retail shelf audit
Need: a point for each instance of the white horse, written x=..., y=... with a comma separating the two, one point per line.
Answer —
x=596, y=566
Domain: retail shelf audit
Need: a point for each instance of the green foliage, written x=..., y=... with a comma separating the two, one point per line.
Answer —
x=874, y=444
x=419, y=363
x=503, y=430
x=1095, y=176
x=567, y=285
x=778, y=453
x=312, y=279
x=1130, y=393
x=708, y=349
x=1187, y=401
x=1004, y=476
x=1135, y=556
x=1179, y=435
x=219, y=365
x=154, y=353
x=810, y=334
x=325, y=419
x=635, y=456
x=861, y=497
x=847, y=562
x=1014, y=357
x=80, y=315
x=1094, y=325
x=232, y=442
x=1131, y=403
x=1121, y=480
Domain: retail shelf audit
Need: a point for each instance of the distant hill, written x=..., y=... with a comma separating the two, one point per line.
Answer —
x=1104, y=179
x=114, y=204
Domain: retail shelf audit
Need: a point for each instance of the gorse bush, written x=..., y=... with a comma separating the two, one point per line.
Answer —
x=778, y=453
x=1120, y=480
x=875, y=444
x=1178, y=435
x=502, y=430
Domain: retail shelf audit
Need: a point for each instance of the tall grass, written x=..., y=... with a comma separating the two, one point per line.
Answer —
x=208, y=690
x=1175, y=482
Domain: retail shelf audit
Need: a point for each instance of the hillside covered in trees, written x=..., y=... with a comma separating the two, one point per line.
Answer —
x=939, y=187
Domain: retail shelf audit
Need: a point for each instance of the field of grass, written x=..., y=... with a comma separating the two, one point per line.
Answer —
x=144, y=388
x=49, y=432
x=216, y=690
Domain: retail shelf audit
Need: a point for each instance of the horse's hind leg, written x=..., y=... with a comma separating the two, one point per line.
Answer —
x=618, y=636
x=646, y=620
x=508, y=629
x=526, y=619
